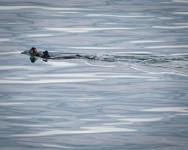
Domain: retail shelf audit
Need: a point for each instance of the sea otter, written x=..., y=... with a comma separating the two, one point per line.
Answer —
x=33, y=52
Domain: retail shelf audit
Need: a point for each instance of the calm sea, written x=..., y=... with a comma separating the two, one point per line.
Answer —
x=134, y=97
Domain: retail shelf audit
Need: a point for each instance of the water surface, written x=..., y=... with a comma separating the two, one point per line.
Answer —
x=133, y=97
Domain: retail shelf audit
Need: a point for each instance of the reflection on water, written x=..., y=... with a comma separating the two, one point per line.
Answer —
x=168, y=109
x=37, y=7
x=121, y=16
x=82, y=30
x=87, y=130
x=3, y=39
x=134, y=96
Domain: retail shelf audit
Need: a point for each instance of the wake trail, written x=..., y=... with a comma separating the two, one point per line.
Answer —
x=175, y=64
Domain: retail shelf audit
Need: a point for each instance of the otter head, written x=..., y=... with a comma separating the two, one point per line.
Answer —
x=33, y=51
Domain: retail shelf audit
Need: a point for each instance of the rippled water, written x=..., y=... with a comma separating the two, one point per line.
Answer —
x=133, y=97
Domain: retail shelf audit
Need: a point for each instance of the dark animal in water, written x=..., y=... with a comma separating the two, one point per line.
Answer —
x=34, y=53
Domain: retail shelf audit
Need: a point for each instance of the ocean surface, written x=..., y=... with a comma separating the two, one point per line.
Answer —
x=134, y=97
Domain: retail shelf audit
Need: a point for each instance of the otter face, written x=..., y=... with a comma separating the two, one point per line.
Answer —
x=33, y=51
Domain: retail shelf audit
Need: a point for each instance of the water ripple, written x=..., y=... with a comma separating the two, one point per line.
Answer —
x=39, y=35
x=11, y=104
x=140, y=119
x=145, y=41
x=45, y=81
x=85, y=29
x=86, y=130
x=168, y=109
x=119, y=16
x=181, y=13
x=92, y=75
x=96, y=48
x=18, y=67
x=4, y=39
x=170, y=27
x=180, y=1
x=31, y=125
x=167, y=46
x=38, y=7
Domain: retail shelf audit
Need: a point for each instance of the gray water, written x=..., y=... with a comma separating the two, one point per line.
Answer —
x=134, y=97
